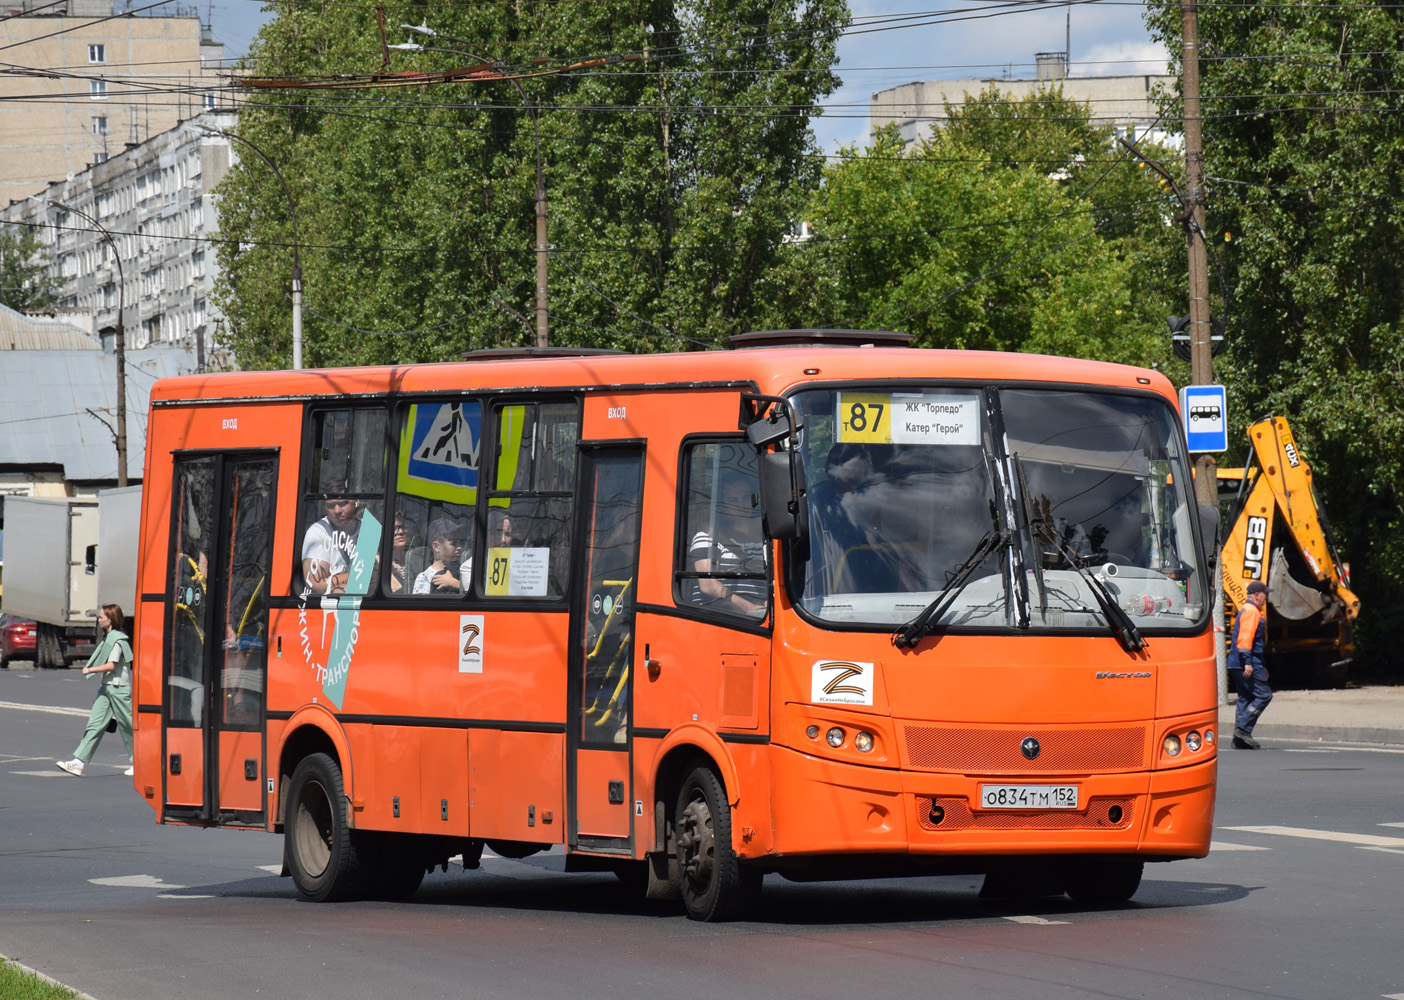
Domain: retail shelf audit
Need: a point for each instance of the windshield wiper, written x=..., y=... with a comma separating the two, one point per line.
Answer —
x=1030, y=521
x=910, y=634
x=1117, y=620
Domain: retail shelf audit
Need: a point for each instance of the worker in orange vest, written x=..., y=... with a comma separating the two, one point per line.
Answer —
x=1246, y=665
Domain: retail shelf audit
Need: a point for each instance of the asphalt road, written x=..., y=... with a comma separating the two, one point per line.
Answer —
x=1300, y=898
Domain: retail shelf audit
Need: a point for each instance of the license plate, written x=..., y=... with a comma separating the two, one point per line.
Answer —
x=1028, y=796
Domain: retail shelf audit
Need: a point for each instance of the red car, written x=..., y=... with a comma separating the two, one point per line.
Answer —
x=17, y=638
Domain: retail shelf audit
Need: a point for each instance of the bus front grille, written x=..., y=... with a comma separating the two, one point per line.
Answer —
x=998, y=751
x=951, y=813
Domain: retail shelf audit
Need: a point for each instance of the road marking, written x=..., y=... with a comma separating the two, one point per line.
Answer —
x=51, y=709
x=271, y=869
x=1390, y=824
x=1223, y=845
x=1030, y=919
x=1383, y=850
x=135, y=882
x=1393, y=996
x=1359, y=839
x=181, y=895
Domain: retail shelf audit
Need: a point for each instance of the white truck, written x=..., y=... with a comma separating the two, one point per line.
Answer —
x=52, y=562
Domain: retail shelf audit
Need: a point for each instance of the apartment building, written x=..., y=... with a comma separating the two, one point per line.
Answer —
x=1127, y=102
x=83, y=79
x=130, y=234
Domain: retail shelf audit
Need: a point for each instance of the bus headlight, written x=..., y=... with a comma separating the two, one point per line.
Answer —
x=1192, y=741
x=835, y=737
x=1172, y=745
x=812, y=732
x=864, y=742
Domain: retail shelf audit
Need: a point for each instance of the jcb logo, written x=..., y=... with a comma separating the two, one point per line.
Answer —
x=1253, y=548
x=1290, y=450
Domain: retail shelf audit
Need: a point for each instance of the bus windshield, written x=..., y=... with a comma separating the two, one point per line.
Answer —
x=1006, y=507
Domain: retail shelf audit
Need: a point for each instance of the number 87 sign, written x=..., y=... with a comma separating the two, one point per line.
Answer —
x=908, y=418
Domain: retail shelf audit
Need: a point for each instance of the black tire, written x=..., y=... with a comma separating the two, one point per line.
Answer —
x=715, y=884
x=1102, y=881
x=321, y=851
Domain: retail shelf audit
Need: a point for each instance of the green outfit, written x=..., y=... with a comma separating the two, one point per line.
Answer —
x=114, y=697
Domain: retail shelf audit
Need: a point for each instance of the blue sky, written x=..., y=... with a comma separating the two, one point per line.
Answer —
x=890, y=44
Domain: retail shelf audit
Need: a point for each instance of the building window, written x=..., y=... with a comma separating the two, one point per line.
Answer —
x=97, y=53
x=99, y=124
x=99, y=158
x=209, y=100
x=197, y=263
x=97, y=90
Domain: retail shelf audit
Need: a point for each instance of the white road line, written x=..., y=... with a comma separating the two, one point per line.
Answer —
x=1393, y=996
x=1223, y=845
x=181, y=895
x=55, y=773
x=1359, y=839
x=1383, y=850
x=1390, y=824
x=271, y=869
x=1030, y=919
x=135, y=882
x=51, y=709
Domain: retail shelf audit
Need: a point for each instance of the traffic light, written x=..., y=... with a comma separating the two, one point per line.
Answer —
x=1180, y=337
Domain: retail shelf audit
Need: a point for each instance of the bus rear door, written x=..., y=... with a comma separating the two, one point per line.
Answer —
x=215, y=665
x=600, y=737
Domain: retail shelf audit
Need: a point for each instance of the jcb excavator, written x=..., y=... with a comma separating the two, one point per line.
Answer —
x=1277, y=532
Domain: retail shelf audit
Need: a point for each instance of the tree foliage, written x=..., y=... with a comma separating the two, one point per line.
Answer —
x=26, y=280
x=1304, y=147
x=671, y=174
x=1016, y=226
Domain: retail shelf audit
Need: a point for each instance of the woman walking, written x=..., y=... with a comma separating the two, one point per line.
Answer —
x=112, y=659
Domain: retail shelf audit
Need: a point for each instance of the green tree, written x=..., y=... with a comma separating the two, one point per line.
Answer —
x=26, y=281
x=1016, y=226
x=1304, y=148
x=671, y=173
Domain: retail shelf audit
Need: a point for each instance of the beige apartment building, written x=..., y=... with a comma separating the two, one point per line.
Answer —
x=81, y=80
x=1124, y=101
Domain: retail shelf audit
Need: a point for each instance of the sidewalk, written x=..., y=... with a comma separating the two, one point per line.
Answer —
x=1353, y=715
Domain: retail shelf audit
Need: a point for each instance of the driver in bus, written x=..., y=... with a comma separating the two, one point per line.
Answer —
x=736, y=548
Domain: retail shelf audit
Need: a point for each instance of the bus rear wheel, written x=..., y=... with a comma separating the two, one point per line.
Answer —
x=321, y=853
x=1102, y=880
x=715, y=884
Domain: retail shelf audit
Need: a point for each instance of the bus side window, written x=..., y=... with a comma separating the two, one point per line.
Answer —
x=436, y=489
x=343, y=506
x=722, y=557
x=531, y=502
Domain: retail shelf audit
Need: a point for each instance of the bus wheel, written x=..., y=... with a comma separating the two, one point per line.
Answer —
x=1102, y=880
x=321, y=854
x=715, y=885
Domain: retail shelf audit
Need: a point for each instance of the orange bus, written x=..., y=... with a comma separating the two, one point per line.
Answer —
x=821, y=605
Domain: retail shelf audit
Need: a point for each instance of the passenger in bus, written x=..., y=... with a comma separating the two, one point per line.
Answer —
x=736, y=548
x=404, y=541
x=446, y=573
x=329, y=546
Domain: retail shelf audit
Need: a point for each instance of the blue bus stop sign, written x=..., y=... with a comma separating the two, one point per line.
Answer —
x=1205, y=412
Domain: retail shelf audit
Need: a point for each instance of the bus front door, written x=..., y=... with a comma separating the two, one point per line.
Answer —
x=215, y=664
x=599, y=731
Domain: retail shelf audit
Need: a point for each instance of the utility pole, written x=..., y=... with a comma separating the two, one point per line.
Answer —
x=1206, y=469
x=1201, y=344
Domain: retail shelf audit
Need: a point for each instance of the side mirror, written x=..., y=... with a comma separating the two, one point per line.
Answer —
x=1209, y=532
x=783, y=507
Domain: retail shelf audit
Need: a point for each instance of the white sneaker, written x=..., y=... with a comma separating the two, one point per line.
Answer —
x=130, y=771
x=73, y=767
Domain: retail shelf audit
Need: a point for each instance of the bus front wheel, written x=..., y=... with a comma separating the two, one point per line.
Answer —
x=321, y=853
x=1102, y=880
x=715, y=884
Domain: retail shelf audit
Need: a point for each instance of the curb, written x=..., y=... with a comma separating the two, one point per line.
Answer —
x=1330, y=734
x=50, y=980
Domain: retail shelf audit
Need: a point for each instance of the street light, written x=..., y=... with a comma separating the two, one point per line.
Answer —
x=543, y=248
x=119, y=343
x=292, y=215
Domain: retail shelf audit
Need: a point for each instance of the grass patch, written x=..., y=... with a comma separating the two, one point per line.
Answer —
x=16, y=984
